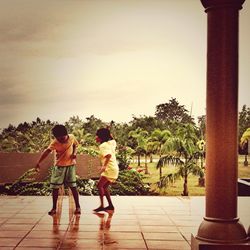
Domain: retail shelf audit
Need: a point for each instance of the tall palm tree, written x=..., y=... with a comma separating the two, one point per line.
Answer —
x=182, y=154
x=245, y=141
x=159, y=138
x=200, y=155
x=142, y=139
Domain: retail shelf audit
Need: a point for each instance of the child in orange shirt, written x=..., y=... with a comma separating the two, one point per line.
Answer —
x=64, y=171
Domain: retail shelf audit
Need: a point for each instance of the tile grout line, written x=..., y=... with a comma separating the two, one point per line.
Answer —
x=28, y=232
x=64, y=236
x=13, y=214
x=138, y=221
x=72, y=218
x=178, y=229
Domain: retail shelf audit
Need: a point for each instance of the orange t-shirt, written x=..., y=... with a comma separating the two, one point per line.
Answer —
x=64, y=151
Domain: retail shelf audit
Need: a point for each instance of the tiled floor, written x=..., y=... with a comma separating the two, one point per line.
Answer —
x=137, y=223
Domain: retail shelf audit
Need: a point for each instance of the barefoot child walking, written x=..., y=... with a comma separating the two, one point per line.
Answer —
x=109, y=168
x=63, y=172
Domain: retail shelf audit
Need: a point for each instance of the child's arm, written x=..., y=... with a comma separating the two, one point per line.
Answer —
x=44, y=154
x=106, y=161
x=73, y=156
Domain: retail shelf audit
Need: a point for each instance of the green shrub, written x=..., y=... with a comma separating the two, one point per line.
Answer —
x=25, y=185
x=129, y=182
x=85, y=187
x=124, y=156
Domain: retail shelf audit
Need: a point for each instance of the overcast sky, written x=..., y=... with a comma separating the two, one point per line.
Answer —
x=111, y=59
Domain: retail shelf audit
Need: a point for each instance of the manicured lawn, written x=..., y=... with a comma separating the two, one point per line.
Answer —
x=176, y=188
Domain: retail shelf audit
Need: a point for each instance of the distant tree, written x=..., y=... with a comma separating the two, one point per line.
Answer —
x=173, y=112
x=148, y=123
x=27, y=137
x=93, y=124
x=120, y=132
x=202, y=126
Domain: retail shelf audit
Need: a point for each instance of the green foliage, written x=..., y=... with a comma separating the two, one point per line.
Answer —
x=172, y=112
x=124, y=156
x=184, y=154
x=148, y=123
x=26, y=137
x=92, y=125
x=129, y=182
x=85, y=187
x=25, y=185
x=168, y=179
x=244, y=120
x=87, y=150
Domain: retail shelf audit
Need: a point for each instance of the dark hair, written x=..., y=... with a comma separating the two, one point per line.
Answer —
x=104, y=134
x=59, y=130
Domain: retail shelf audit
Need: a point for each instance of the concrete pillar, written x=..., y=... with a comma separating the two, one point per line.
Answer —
x=221, y=224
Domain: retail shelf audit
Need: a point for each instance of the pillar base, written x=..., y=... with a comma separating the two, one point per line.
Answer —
x=197, y=244
x=222, y=231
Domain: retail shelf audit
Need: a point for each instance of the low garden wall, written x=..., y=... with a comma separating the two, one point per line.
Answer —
x=13, y=165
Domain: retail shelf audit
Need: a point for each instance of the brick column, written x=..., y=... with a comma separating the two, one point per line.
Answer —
x=221, y=224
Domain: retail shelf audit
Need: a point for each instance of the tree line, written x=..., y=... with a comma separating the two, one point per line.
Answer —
x=171, y=134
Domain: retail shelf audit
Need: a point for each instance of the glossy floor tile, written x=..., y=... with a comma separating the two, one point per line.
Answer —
x=139, y=222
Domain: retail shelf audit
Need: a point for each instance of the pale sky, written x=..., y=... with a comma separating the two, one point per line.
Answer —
x=111, y=59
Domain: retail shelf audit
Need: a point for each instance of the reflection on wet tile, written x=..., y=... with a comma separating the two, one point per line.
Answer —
x=163, y=236
x=126, y=244
x=125, y=228
x=81, y=244
x=45, y=227
x=9, y=242
x=39, y=243
x=167, y=245
x=136, y=224
x=124, y=235
x=48, y=234
x=16, y=227
x=22, y=221
x=34, y=248
x=83, y=235
x=159, y=229
x=12, y=234
x=161, y=222
x=28, y=216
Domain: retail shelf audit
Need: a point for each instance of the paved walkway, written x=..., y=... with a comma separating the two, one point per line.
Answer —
x=137, y=223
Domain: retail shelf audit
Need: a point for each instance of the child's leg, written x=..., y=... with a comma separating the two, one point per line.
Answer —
x=55, y=193
x=76, y=196
x=70, y=178
x=100, y=186
x=107, y=194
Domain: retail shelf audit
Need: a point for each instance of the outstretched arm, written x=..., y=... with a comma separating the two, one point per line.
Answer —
x=44, y=154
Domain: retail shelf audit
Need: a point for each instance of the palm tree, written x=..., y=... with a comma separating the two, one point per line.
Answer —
x=159, y=138
x=200, y=155
x=244, y=142
x=182, y=155
x=142, y=139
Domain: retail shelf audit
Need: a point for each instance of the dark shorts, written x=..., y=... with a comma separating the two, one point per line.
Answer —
x=63, y=175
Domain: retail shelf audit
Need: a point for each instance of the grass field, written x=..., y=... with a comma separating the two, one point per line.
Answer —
x=177, y=188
